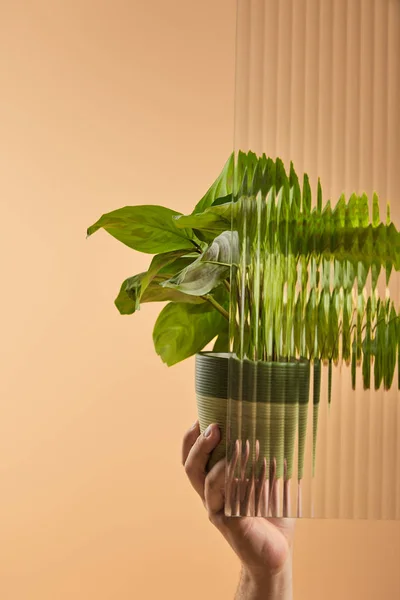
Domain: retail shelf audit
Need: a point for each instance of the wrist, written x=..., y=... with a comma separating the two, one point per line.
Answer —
x=266, y=585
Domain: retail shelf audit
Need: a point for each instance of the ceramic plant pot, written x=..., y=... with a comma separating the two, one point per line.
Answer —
x=268, y=403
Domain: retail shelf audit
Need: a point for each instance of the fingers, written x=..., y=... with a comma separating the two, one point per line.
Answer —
x=261, y=492
x=220, y=485
x=214, y=492
x=189, y=439
x=199, y=453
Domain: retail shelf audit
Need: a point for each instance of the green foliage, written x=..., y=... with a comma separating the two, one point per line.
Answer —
x=299, y=269
x=337, y=233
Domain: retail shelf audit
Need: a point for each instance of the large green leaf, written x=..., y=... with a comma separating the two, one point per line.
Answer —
x=182, y=330
x=146, y=228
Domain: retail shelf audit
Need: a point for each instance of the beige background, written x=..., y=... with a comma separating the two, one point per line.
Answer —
x=104, y=104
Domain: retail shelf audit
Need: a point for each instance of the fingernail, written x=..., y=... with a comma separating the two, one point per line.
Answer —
x=208, y=431
x=194, y=425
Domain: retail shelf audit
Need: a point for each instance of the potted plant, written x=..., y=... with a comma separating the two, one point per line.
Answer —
x=281, y=286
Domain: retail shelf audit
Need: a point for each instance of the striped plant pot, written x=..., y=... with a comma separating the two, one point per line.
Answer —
x=268, y=403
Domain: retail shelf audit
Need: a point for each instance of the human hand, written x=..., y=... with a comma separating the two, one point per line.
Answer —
x=264, y=546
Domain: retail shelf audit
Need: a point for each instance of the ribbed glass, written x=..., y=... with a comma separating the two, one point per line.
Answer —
x=313, y=426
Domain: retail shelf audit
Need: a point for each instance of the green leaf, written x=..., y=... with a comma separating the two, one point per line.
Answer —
x=166, y=261
x=379, y=345
x=146, y=228
x=127, y=300
x=167, y=264
x=163, y=266
x=306, y=204
x=270, y=175
x=222, y=200
x=222, y=186
x=332, y=349
x=390, y=348
x=131, y=294
x=198, y=279
x=367, y=348
x=257, y=179
x=311, y=323
x=363, y=210
x=375, y=210
x=210, y=269
x=298, y=324
x=282, y=181
x=157, y=293
x=222, y=341
x=295, y=185
x=388, y=216
x=319, y=197
x=182, y=330
x=322, y=326
x=213, y=221
x=347, y=323
x=241, y=174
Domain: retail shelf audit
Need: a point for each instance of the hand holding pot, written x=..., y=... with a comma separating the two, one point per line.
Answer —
x=264, y=546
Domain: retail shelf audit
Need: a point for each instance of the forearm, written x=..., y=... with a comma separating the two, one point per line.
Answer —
x=269, y=587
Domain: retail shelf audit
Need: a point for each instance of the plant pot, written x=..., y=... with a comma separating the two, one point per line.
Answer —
x=212, y=378
x=267, y=404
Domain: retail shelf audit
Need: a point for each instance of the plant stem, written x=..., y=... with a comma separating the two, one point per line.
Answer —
x=198, y=248
x=217, y=306
x=216, y=262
